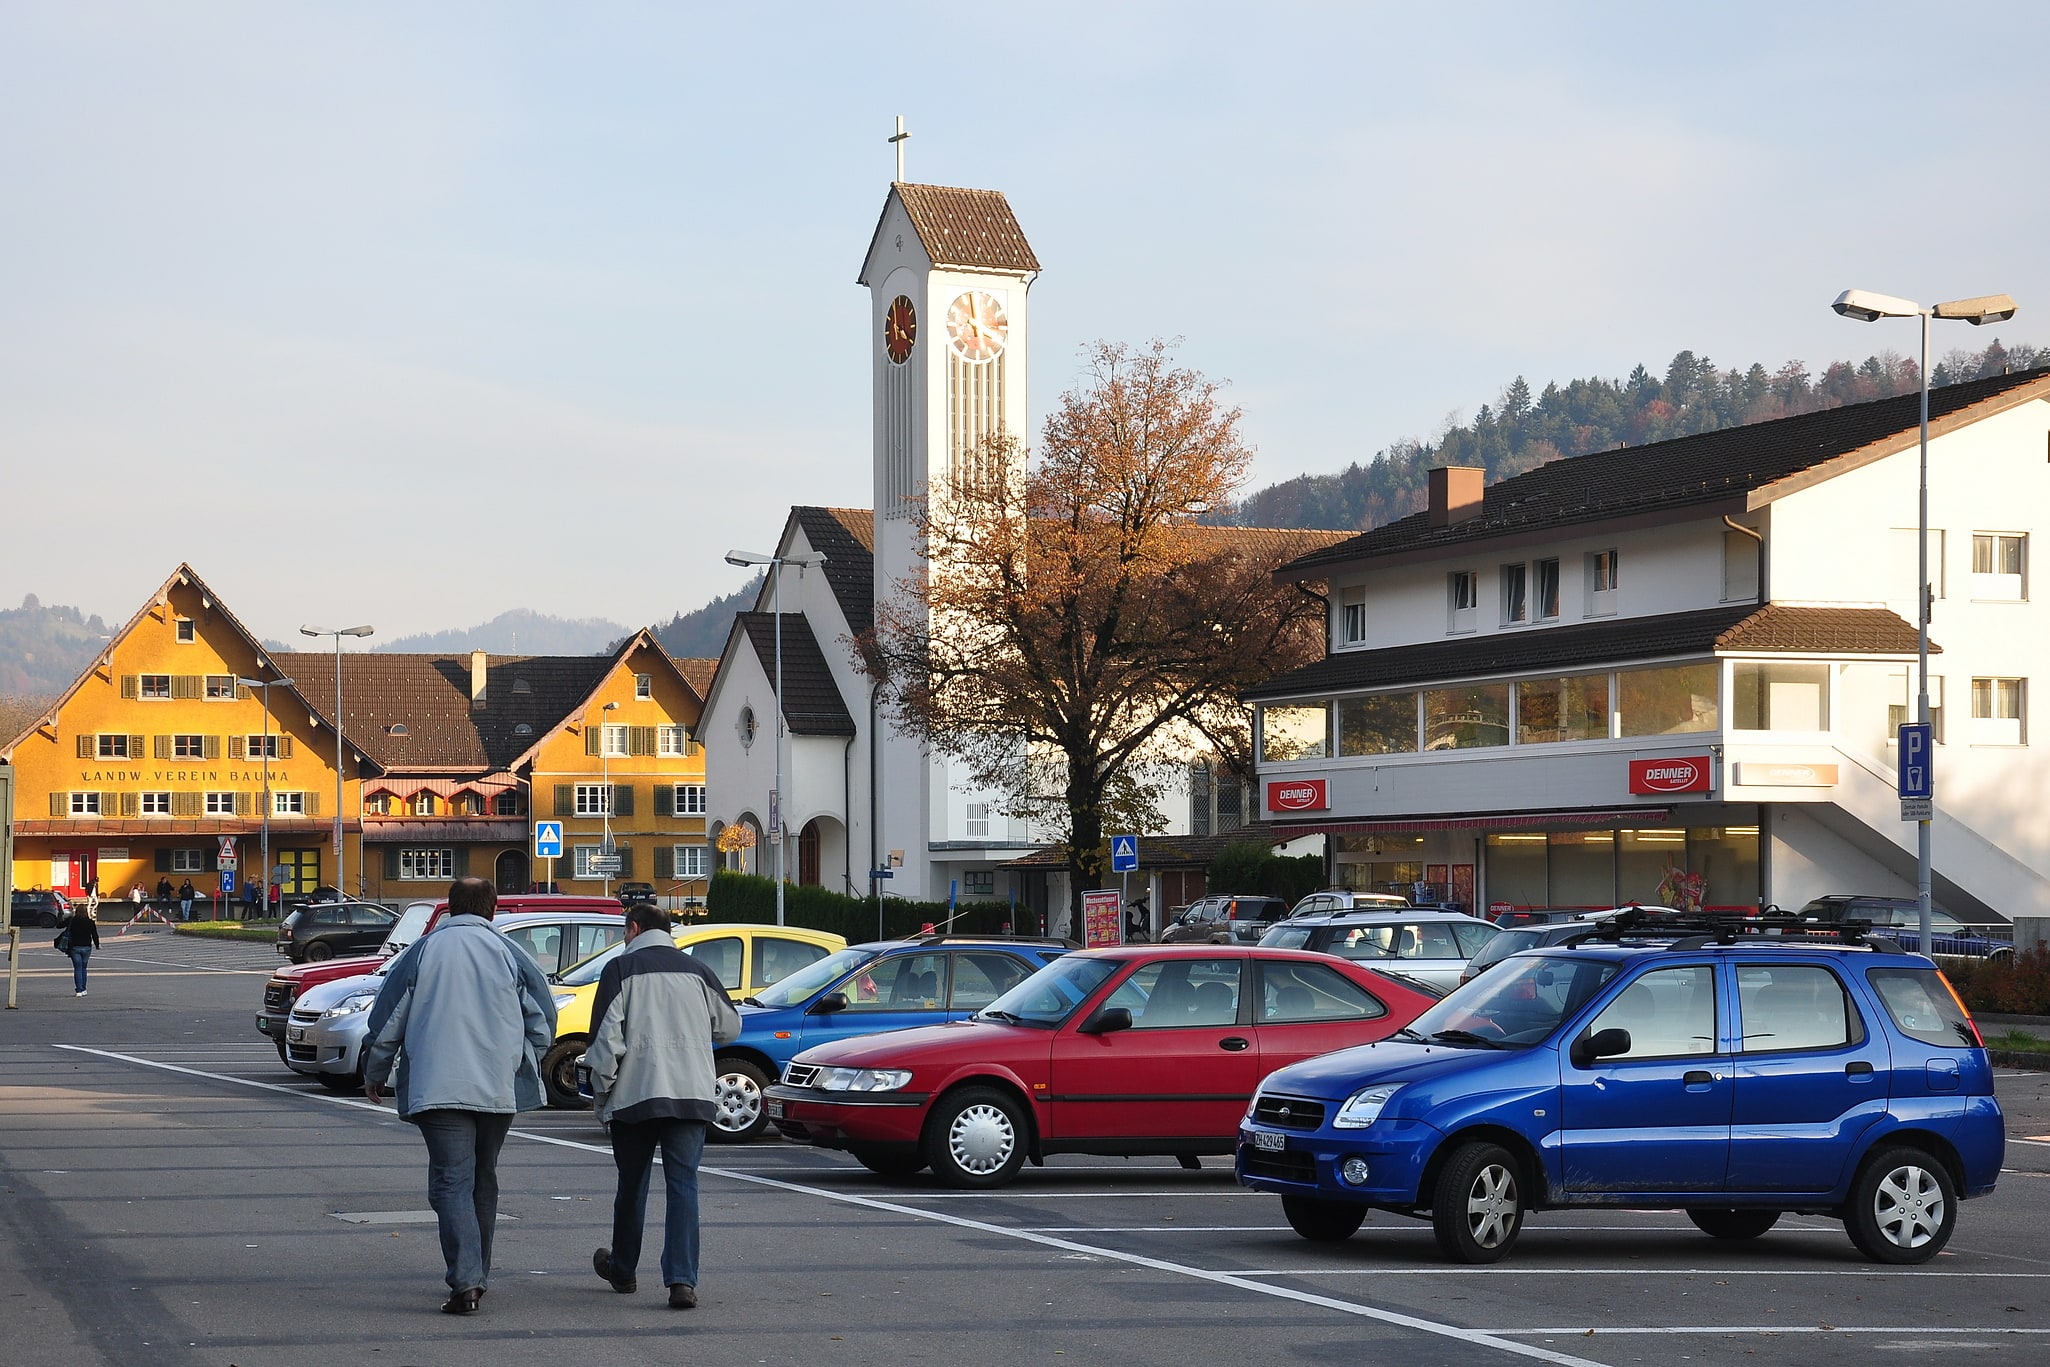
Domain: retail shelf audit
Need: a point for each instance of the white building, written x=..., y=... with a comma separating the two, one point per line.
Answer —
x=1687, y=660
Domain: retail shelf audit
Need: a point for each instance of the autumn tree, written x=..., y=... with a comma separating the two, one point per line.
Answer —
x=1073, y=631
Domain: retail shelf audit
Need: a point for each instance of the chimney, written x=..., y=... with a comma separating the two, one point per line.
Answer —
x=478, y=661
x=1456, y=494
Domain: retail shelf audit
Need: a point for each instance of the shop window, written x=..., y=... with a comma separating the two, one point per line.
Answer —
x=1997, y=712
x=1295, y=731
x=1726, y=858
x=1583, y=868
x=1516, y=871
x=1378, y=724
x=1669, y=701
x=1999, y=560
x=1651, y=868
x=1575, y=707
x=1771, y=695
x=1469, y=717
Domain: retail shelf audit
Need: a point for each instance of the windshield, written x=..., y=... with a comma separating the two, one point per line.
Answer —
x=1049, y=996
x=586, y=971
x=800, y=985
x=1516, y=1004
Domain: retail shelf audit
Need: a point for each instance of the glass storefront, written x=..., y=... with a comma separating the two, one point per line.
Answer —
x=1690, y=866
x=1378, y=863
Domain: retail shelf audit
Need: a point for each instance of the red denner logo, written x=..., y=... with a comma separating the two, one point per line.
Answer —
x=1689, y=774
x=1297, y=795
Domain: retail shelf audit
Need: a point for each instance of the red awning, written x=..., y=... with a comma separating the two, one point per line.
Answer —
x=1508, y=821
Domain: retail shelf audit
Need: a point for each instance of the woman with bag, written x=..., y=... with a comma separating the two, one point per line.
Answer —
x=79, y=938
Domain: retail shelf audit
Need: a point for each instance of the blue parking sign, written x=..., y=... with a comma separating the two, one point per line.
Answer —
x=1917, y=776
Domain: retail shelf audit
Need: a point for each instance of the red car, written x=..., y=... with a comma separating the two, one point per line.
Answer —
x=1147, y=1049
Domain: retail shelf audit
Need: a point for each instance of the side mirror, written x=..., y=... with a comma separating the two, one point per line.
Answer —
x=1105, y=1020
x=828, y=1004
x=1601, y=1044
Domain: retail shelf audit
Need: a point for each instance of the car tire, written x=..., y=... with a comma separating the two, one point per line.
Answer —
x=976, y=1137
x=888, y=1163
x=559, y=1073
x=1733, y=1222
x=320, y=951
x=342, y=1083
x=1903, y=1207
x=1323, y=1222
x=737, y=1099
x=1477, y=1206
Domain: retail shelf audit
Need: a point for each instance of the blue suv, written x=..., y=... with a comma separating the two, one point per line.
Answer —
x=860, y=990
x=1730, y=1074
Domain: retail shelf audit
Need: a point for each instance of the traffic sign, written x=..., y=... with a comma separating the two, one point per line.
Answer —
x=1918, y=809
x=226, y=863
x=605, y=865
x=548, y=840
x=1917, y=773
x=227, y=879
x=1124, y=853
x=882, y=873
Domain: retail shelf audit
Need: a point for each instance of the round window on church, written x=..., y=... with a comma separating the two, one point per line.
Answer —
x=747, y=727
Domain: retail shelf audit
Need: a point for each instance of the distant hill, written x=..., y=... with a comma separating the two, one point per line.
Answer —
x=702, y=634
x=518, y=632
x=1521, y=431
x=43, y=649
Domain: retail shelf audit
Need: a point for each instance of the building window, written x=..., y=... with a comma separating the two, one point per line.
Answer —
x=287, y=804
x=1669, y=701
x=690, y=861
x=581, y=857
x=220, y=688
x=114, y=747
x=1468, y=717
x=614, y=741
x=188, y=631
x=1900, y=713
x=188, y=861
x=1998, y=562
x=1515, y=594
x=220, y=804
x=1741, y=556
x=1295, y=731
x=156, y=804
x=424, y=804
x=156, y=686
x=690, y=799
x=467, y=804
x=505, y=804
x=644, y=687
x=979, y=882
x=85, y=804
x=1575, y=707
x=1352, y=615
x=1379, y=724
x=1997, y=712
x=978, y=820
x=747, y=727
x=188, y=747
x=1216, y=799
x=260, y=747
x=422, y=865
x=1463, y=594
x=1547, y=589
x=1776, y=696
x=594, y=799
x=672, y=742
x=1601, y=583
x=1904, y=555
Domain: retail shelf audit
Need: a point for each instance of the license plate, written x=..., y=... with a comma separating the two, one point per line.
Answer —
x=263, y=1024
x=774, y=1108
x=1269, y=1141
x=297, y=1035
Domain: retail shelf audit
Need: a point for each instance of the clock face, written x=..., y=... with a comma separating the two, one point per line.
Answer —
x=977, y=326
x=900, y=329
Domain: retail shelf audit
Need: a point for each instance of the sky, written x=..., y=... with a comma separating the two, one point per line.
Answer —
x=411, y=314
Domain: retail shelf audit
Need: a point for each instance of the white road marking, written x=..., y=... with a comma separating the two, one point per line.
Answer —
x=1602, y=1330
x=2032, y=1143
x=1709, y=1272
x=1157, y=1229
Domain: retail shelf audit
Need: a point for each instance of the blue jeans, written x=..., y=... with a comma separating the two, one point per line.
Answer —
x=462, y=1186
x=633, y=1149
x=78, y=958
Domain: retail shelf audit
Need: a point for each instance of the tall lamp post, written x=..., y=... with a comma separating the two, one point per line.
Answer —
x=266, y=685
x=338, y=633
x=744, y=559
x=1867, y=307
x=605, y=845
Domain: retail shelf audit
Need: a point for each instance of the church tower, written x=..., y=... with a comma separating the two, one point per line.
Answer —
x=947, y=273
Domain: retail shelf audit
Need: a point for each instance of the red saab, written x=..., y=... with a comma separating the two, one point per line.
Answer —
x=1150, y=1049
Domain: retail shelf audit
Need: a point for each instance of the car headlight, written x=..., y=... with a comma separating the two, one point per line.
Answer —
x=861, y=1079
x=1363, y=1108
x=350, y=1005
x=563, y=999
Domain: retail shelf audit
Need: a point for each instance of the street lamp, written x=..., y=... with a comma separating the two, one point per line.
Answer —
x=605, y=845
x=338, y=633
x=744, y=559
x=1867, y=307
x=266, y=685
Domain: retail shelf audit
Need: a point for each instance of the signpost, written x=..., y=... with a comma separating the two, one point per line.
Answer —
x=548, y=845
x=1915, y=780
x=1124, y=857
x=7, y=877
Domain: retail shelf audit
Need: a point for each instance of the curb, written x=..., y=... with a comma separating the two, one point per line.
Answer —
x=2013, y=1058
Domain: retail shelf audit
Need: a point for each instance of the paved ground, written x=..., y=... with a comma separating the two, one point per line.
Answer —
x=171, y=1196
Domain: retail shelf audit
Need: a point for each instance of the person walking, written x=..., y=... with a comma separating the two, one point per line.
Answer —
x=79, y=938
x=659, y=1011
x=473, y=1014
x=250, y=895
x=185, y=896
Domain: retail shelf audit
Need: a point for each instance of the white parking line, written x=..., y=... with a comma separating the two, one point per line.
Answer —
x=1601, y=1330
x=1918, y=1274
x=1158, y=1229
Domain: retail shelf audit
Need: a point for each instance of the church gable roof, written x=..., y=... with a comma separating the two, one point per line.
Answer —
x=965, y=229
x=812, y=705
x=846, y=537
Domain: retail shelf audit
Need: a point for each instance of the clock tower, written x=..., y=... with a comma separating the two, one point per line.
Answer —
x=947, y=273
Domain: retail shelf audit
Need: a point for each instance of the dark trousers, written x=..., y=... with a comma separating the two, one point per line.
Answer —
x=682, y=1143
x=462, y=1186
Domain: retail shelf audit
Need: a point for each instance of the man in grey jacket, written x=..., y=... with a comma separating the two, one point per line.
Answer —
x=473, y=1013
x=658, y=1012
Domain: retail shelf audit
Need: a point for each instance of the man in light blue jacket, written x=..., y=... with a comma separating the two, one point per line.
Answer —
x=473, y=1014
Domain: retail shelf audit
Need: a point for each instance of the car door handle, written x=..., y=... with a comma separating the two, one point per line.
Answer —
x=1857, y=1067
x=1696, y=1077
x=1234, y=1043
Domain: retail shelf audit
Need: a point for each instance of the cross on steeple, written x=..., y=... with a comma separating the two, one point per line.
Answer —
x=898, y=140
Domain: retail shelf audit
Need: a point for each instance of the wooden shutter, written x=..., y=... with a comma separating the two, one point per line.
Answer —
x=461, y=861
x=593, y=736
x=391, y=861
x=237, y=745
x=284, y=747
x=85, y=745
x=245, y=804
x=312, y=800
x=186, y=804
x=640, y=740
x=665, y=861
x=160, y=747
x=626, y=861
x=60, y=804
x=242, y=692
x=209, y=747
x=163, y=861
x=622, y=799
x=565, y=799
x=131, y=804
x=131, y=686
x=135, y=747
x=665, y=803
x=188, y=685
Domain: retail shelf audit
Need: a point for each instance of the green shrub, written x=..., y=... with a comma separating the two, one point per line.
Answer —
x=1253, y=868
x=2017, y=985
x=751, y=900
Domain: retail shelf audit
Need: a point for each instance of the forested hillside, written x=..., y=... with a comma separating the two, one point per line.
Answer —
x=1521, y=430
x=701, y=635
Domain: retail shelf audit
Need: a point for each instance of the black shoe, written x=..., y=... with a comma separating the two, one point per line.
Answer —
x=683, y=1296
x=601, y=1263
x=463, y=1302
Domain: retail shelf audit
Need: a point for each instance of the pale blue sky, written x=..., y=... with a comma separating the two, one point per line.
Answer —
x=412, y=313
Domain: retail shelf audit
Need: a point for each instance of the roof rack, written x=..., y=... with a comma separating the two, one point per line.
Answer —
x=1697, y=930
x=961, y=937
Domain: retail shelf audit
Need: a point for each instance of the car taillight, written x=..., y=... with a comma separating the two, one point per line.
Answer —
x=1978, y=1040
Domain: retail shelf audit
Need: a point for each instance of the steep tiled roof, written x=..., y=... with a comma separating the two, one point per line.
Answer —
x=974, y=229
x=1736, y=463
x=812, y=705
x=846, y=537
x=1274, y=545
x=1741, y=628
x=698, y=674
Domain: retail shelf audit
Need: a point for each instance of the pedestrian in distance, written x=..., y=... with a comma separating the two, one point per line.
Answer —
x=137, y=895
x=185, y=896
x=250, y=894
x=466, y=1015
x=658, y=1011
x=79, y=938
x=164, y=894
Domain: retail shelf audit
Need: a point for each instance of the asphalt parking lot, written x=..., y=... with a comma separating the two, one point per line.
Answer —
x=173, y=1195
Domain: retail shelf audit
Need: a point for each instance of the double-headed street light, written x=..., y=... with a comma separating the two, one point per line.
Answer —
x=744, y=559
x=266, y=685
x=338, y=633
x=1867, y=307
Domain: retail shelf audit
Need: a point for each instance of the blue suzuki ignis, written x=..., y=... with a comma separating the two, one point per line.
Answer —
x=1735, y=1076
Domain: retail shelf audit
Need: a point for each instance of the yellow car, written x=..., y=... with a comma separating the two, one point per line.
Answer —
x=746, y=958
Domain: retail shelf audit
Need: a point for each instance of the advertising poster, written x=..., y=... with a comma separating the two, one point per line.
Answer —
x=1103, y=921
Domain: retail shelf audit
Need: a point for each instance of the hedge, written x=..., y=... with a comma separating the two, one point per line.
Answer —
x=1252, y=868
x=751, y=900
x=2012, y=985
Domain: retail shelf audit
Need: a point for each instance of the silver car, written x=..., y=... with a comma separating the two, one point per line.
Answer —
x=1430, y=945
